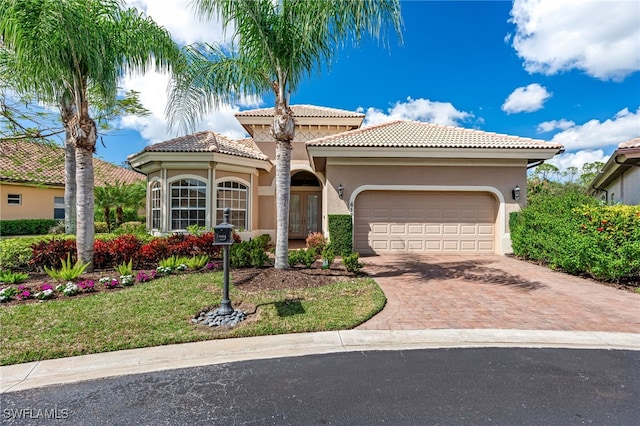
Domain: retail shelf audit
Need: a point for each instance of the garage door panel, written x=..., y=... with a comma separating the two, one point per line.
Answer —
x=468, y=229
x=461, y=222
x=415, y=229
x=450, y=229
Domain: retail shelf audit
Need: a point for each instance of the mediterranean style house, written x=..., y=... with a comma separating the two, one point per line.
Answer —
x=408, y=186
x=619, y=180
x=32, y=179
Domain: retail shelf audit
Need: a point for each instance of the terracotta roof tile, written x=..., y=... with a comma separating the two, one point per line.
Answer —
x=32, y=162
x=633, y=143
x=209, y=141
x=303, y=111
x=414, y=134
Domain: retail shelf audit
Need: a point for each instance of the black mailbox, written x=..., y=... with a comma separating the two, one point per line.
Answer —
x=223, y=233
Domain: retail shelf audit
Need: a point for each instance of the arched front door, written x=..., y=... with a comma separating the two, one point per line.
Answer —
x=305, y=205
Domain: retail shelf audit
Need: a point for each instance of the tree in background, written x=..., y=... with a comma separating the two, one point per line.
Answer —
x=61, y=51
x=277, y=44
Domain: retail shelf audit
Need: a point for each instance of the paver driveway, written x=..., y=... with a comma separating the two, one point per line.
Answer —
x=438, y=291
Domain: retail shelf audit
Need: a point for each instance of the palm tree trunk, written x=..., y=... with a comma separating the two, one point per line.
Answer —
x=283, y=186
x=283, y=131
x=67, y=110
x=85, y=146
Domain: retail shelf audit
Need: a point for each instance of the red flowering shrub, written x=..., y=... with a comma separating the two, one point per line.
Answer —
x=124, y=248
x=49, y=252
x=102, y=257
x=153, y=251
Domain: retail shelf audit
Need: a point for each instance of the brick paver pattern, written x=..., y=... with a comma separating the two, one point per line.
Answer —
x=494, y=292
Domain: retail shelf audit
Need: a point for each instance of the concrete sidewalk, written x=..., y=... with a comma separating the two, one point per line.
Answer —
x=135, y=361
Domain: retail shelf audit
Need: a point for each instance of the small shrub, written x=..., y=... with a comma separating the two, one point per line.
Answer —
x=197, y=261
x=12, y=277
x=328, y=256
x=134, y=228
x=67, y=272
x=301, y=256
x=316, y=241
x=125, y=268
x=47, y=253
x=352, y=263
x=26, y=226
x=15, y=253
x=173, y=262
x=100, y=227
x=249, y=253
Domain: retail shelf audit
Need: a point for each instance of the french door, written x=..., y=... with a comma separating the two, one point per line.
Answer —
x=304, y=213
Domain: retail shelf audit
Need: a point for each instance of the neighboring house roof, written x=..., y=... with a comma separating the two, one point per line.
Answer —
x=303, y=111
x=633, y=143
x=209, y=141
x=414, y=134
x=626, y=156
x=40, y=163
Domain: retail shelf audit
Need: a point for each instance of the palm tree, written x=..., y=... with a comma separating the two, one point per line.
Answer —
x=104, y=200
x=278, y=43
x=131, y=195
x=65, y=48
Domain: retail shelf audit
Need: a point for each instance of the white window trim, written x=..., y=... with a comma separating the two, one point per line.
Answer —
x=168, y=199
x=151, y=183
x=19, y=203
x=249, y=198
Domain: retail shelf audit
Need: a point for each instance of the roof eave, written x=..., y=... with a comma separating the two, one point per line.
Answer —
x=620, y=161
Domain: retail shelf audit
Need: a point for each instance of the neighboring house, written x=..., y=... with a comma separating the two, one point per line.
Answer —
x=409, y=186
x=619, y=180
x=32, y=179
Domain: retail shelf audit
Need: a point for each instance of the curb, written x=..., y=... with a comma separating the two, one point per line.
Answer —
x=37, y=374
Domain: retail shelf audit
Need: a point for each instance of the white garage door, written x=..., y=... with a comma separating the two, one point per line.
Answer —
x=437, y=222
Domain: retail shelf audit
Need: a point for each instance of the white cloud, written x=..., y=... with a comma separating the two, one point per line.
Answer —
x=178, y=17
x=548, y=126
x=601, y=38
x=153, y=128
x=578, y=158
x=419, y=110
x=526, y=99
x=593, y=134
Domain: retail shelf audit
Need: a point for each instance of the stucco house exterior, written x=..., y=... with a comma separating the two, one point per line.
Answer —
x=409, y=186
x=32, y=179
x=619, y=180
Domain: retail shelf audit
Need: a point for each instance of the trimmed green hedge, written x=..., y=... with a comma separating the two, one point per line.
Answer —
x=573, y=232
x=341, y=233
x=27, y=226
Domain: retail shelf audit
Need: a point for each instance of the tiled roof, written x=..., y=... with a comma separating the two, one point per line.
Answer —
x=414, y=134
x=633, y=143
x=33, y=162
x=303, y=111
x=208, y=141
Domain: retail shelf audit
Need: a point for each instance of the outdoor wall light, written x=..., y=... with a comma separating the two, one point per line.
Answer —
x=515, y=192
x=340, y=189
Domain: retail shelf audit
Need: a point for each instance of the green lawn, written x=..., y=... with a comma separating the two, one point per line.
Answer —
x=159, y=312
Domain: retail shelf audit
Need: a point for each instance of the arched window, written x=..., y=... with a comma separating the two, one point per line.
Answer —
x=155, y=205
x=234, y=196
x=188, y=203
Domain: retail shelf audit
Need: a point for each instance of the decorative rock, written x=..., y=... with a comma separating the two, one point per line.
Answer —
x=216, y=319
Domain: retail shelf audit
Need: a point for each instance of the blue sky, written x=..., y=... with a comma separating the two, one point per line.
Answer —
x=559, y=70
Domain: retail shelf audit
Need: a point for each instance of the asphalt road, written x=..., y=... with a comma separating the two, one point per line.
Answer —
x=418, y=387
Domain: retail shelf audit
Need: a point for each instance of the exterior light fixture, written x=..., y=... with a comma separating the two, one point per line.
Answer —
x=515, y=193
x=340, y=189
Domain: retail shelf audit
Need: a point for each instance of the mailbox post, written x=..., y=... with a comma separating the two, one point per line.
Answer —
x=223, y=235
